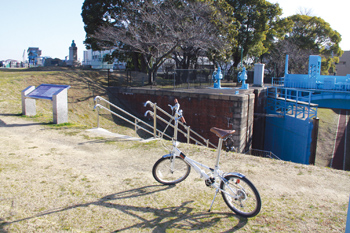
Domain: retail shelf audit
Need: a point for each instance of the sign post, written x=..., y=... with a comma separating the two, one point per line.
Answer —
x=58, y=94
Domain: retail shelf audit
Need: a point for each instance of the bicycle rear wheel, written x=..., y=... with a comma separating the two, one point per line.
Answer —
x=169, y=170
x=241, y=196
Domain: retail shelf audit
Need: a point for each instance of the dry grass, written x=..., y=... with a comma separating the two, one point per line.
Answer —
x=56, y=179
x=326, y=136
x=85, y=86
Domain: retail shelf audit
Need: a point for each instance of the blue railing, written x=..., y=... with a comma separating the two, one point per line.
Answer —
x=291, y=102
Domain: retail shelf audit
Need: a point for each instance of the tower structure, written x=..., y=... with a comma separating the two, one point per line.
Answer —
x=73, y=55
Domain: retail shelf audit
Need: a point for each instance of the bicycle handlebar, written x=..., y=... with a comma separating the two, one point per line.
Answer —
x=178, y=112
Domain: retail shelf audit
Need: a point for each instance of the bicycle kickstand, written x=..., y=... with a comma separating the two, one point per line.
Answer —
x=216, y=192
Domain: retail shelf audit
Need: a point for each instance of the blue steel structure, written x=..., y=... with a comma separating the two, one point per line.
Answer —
x=328, y=91
x=290, y=124
x=294, y=102
x=291, y=102
x=314, y=79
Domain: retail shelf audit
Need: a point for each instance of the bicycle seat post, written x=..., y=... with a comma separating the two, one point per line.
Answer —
x=219, y=152
x=222, y=134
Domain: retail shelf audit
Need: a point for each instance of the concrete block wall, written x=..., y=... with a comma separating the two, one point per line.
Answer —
x=203, y=109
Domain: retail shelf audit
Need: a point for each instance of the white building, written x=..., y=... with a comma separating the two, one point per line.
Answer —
x=95, y=59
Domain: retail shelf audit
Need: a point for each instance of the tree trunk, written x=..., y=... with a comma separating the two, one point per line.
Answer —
x=135, y=60
x=152, y=74
x=150, y=77
x=143, y=65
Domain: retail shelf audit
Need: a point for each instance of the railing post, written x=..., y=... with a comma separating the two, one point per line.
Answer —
x=155, y=120
x=308, y=112
x=97, y=99
x=98, y=117
x=188, y=134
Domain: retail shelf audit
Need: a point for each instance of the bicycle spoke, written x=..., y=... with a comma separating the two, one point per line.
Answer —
x=170, y=171
x=241, y=196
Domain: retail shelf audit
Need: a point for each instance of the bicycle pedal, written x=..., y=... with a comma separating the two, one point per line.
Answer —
x=209, y=181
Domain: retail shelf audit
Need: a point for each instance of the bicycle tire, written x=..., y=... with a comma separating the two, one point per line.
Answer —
x=162, y=171
x=247, y=202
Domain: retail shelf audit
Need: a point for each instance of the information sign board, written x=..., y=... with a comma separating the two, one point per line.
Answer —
x=46, y=91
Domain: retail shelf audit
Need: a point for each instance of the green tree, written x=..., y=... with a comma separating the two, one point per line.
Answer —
x=256, y=21
x=96, y=14
x=315, y=34
x=309, y=35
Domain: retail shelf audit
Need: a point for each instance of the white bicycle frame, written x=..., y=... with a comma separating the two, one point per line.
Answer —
x=216, y=172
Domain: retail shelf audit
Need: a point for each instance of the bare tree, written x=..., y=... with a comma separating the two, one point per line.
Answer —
x=297, y=62
x=156, y=28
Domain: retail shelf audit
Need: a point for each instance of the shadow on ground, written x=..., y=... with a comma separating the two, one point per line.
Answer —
x=175, y=217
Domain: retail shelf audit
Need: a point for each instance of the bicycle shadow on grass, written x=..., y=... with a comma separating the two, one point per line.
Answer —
x=176, y=217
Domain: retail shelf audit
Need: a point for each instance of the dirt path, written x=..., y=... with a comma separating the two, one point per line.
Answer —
x=76, y=148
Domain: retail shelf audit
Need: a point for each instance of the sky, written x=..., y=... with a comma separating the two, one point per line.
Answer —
x=51, y=25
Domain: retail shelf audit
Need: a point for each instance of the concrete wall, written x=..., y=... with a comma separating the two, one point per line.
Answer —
x=203, y=109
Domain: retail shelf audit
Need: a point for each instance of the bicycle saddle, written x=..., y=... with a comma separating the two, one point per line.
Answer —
x=222, y=133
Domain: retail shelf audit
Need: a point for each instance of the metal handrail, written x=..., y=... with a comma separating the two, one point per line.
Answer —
x=156, y=132
x=98, y=106
x=188, y=128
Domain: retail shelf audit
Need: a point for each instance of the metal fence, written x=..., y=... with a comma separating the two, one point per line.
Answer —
x=187, y=78
x=171, y=79
x=176, y=78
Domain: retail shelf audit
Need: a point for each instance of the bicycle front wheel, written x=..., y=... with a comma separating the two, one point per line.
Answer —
x=241, y=196
x=170, y=170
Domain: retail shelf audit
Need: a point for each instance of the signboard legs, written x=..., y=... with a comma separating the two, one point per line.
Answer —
x=60, y=107
x=28, y=105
